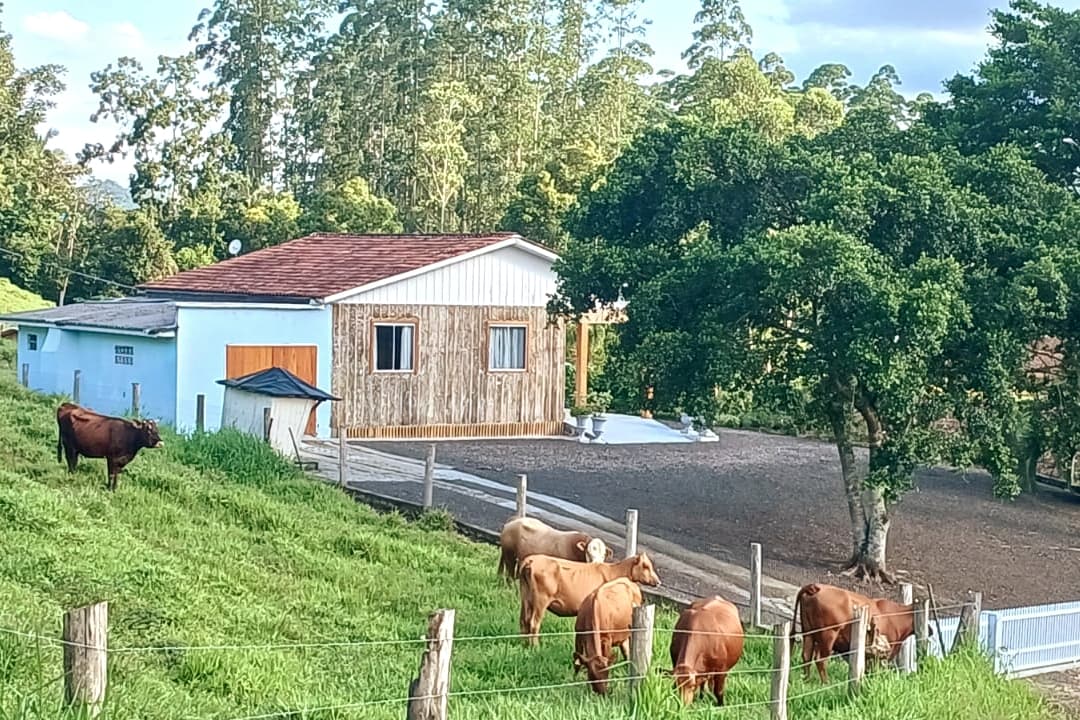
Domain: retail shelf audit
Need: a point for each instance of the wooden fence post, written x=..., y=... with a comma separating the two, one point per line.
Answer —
x=429, y=477
x=755, y=585
x=428, y=693
x=342, y=457
x=136, y=399
x=857, y=660
x=905, y=660
x=76, y=389
x=641, y=643
x=266, y=424
x=922, y=628
x=86, y=639
x=200, y=413
x=781, y=669
x=26, y=375
x=967, y=631
x=631, y=532
x=522, y=494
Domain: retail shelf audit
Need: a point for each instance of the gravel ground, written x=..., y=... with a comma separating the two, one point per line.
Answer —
x=785, y=493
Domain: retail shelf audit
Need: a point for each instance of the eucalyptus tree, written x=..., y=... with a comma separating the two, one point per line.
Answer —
x=722, y=27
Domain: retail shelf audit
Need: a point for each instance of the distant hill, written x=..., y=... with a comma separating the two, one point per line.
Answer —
x=109, y=192
x=14, y=299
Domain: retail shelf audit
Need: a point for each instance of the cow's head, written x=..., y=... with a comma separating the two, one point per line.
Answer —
x=643, y=571
x=686, y=682
x=596, y=551
x=598, y=669
x=149, y=433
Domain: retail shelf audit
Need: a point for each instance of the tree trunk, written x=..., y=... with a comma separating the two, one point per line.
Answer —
x=869, y=562
x=852, y=485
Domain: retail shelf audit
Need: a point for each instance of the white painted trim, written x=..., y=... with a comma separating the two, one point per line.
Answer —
x=102, y=330
x=515, y=241
x=247, y=306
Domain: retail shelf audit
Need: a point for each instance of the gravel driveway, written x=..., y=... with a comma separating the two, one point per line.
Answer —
x=785, y=493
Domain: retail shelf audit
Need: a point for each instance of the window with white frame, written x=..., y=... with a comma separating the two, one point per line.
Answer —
x=394, y=347
x=31, y=342
x=124, y=355
x=506, y=347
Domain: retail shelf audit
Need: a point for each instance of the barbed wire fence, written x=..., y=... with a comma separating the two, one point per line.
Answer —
x=86, y=650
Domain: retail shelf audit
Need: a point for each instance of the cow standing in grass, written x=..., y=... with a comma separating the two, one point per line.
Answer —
x=602, y=625
x=826, y=614
x=522, y=537
x=561, y=586
x=90, y=434
x=707, y=642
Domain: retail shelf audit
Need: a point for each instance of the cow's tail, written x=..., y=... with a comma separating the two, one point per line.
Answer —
x=805, y=591
x=598, y=643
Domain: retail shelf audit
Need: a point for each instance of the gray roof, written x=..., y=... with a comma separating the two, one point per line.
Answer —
x=150, y=316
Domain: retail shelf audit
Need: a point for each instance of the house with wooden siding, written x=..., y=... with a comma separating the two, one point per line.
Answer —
x=420, y=335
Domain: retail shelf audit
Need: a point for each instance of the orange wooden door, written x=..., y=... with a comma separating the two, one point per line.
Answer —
x=300, y=360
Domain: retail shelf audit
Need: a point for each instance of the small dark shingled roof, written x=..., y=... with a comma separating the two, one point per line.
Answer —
x=321, y=265
x=276, y=382
x=136, y=314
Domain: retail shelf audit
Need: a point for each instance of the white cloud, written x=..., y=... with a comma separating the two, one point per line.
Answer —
x=127, y=37
x=57, y=25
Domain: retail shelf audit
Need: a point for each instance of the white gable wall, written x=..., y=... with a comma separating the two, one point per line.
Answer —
x=508, y=276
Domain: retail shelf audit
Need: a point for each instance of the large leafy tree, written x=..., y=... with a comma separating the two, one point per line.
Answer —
x=886, y=280
x=1024, y=91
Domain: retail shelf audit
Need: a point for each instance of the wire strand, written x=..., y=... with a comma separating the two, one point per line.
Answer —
x=64, y=268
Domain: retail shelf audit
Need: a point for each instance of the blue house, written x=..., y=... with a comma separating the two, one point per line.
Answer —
x=420, y=335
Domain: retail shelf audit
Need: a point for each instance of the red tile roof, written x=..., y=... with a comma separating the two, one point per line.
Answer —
x=322, y=265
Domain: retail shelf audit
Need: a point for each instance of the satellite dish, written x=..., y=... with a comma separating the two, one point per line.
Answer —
x=234, y=247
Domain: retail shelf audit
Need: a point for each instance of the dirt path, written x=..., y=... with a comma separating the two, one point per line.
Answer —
x=716, y=498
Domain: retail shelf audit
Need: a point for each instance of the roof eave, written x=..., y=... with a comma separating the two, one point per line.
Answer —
x=162, y=331
x=219, y=297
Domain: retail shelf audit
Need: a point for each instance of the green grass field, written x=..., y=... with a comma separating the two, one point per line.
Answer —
x=14, y=299
x=213, y=541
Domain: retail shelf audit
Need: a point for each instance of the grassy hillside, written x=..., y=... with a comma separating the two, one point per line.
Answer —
x=214, y=542
x=14, y=299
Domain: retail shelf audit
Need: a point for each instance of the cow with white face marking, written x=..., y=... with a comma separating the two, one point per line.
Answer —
x=522, y=537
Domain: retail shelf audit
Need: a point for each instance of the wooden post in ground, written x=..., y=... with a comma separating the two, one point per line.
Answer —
x=429, y=692
x=136, y=399
x=755, y=585
x=857, y=659
x=266, y=424
x=200, y=413
x=922, y=629
x=581, y=365
x=26, y=375
x=76, y=389
x=342, y=457
x=905, y=660
x=429, y=477
x=631, y=532
x=522, y=494
x=641, y=643
x=781, y=669
x=86, y=634
x=967, y=631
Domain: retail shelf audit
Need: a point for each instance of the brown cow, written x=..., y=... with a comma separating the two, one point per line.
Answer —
x=549, y=583
x=90, y=434
x=522, y=537
x=826, y=617
x=707, y=642
x=603, y=624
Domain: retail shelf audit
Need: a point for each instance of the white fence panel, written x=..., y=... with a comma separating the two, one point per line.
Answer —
x=1037, y=639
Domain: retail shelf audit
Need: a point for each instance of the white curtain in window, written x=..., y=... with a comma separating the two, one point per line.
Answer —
x=506, y=349
x=405, y=347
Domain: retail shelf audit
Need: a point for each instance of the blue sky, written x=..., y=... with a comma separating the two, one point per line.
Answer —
x=926, y=40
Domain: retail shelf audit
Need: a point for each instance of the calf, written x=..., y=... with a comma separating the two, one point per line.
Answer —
x=522, y=537
x=550, y=583
x=826, y=614
x=602, y=624
x=90, y=434
x=707, y=642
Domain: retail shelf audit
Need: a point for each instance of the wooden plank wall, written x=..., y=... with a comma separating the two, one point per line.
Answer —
x=451, y=393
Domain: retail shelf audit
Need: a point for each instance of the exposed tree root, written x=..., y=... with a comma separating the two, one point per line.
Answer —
x=864, y=571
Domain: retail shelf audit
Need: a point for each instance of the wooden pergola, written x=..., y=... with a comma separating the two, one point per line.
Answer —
x=603, y=316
